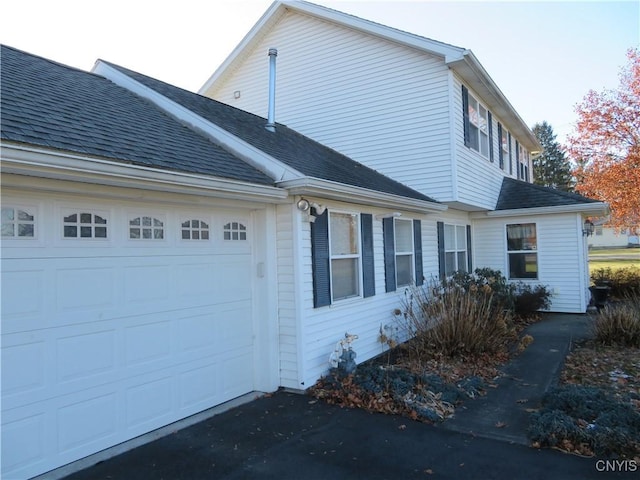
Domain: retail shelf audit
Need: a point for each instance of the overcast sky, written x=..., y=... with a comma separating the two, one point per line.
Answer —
x=544, y=56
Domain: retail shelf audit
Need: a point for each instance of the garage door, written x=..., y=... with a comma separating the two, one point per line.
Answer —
x=117, y=319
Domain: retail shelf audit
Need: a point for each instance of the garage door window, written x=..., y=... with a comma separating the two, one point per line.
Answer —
x=84, y=225
x=195, y=230
x=17, y=223
x=235, y=231
x=146, y=228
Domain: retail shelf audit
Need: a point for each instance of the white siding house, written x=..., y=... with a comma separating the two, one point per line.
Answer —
x=164, y=252
x=420, y=111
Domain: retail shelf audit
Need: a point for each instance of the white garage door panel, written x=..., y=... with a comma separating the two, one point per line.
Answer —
x=102, y=344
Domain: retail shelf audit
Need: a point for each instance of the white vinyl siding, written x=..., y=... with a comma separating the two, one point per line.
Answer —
x=478, y=181
x=561, y=266
x=386, y=106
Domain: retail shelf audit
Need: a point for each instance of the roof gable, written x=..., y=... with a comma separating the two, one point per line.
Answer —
x=51, y=105
x=460, y=60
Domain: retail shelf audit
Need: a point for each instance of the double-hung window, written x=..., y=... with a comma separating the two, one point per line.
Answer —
x=344, y=248
x=522, y=250
x=454, y=249
x=476, y=123
x=505, y=146
x=404, y=252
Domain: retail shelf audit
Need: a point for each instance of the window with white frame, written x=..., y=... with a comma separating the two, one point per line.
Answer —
x=522, y=250
x=195, y=230
x=478, y=126
x=84, y=225
x=344, y=251
x=403, y=233
x=523, y=155
x=504, y=147
x=17, y=223
x=234, y=231
x=455, y=248
x=146, y=228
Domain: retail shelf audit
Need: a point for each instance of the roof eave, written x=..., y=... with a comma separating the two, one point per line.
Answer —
x=591, y=209
x=23, y=159
x=347, y=193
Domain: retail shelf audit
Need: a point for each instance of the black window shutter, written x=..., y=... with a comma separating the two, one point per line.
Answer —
x=320, y=261
x=518, y=159
x=417, y=251
x=389, y=255
x=469, y=259
x=465, y=116
x=368, y=270
x=441, y=256
x=489, y=117
x=510, y=157
x=500, y=152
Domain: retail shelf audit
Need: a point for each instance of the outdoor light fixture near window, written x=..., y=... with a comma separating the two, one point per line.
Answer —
x=305, y=205
x=588, y=228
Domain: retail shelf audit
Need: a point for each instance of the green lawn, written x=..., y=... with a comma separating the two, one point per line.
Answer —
x=614, y=258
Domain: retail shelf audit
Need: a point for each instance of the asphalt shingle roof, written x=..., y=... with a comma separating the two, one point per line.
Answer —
x=51, y=105
x=307, y=156
x=516, y=194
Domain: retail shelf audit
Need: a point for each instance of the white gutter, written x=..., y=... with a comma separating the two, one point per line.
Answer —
x=347, y=193
x=253, y=156
x=40, y=162
x=596, y=209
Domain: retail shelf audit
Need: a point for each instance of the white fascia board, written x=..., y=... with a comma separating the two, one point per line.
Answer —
x=248, y=153
x=39, y=162
x=347, y=193
x=279, y=8
x=596, y=209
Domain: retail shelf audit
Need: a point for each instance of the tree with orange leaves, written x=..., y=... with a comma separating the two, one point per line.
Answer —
x=606, y=146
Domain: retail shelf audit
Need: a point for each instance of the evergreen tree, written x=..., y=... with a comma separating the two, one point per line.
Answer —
x=551, y=168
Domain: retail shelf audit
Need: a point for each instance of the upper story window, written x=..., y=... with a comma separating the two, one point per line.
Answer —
x=84, y=225
x=344, y=254
x=146, y=228
x=476, y=123
x=234, y=231
x=195, y=230
x=523, y=166
x=505, y=146
x=403, y=232
x=522, y=249
x=455, y=248
x=17, y=223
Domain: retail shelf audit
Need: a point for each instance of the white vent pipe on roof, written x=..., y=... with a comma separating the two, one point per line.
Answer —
x=271, y=121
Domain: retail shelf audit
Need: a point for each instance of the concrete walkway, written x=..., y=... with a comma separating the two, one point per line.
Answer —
x=503, y=413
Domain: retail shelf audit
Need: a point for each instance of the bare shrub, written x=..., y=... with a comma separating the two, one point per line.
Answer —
x=455, y=322
x=619, y=323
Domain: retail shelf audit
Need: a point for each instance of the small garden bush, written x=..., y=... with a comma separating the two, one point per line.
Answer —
x=619, y=323
x=453, y=321
x=531, y=298
x=622, y=281
x=586, y=420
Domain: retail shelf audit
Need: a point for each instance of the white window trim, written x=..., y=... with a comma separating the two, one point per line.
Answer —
x=481, y=127
x=456, y=250
x=160, y=217
x=525, y=252
x=399, y=253
x=191, y=229
x=357, y=256
x=29, y=210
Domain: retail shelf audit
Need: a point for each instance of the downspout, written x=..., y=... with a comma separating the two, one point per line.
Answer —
x=271, y=122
